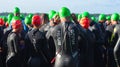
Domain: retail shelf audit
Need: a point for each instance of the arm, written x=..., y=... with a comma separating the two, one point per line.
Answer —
x=15, y=44
x=117, y=52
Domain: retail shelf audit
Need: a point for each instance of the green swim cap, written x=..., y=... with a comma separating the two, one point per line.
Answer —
x=102, y=17
x=10, y=16
x=27, y=20
x=16, y=18
x=30, y=15
x=115, y=17
x=108, y=18
x=51, y=14
x=85, y=14
x=93, y=18
x=56, y=14
x=4, y=18
x=79, y=16
x=16, y=10
x=64, y=12
x=22, y=16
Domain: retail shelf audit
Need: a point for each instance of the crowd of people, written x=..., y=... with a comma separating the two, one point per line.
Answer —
x=59, y=39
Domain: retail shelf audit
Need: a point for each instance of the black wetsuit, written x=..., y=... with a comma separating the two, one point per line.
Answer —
x=38, y=50
x=117, y=53
x=102, y=26
x=28, y=29
x=51, y=44
x=90, y=48
x=16, y=54
x=117, y=32
x=2, y=53
x=86, y=40
x=98, y=47
x=45, y=27
x=117, y=46
x=111, y=40
x=65, y=38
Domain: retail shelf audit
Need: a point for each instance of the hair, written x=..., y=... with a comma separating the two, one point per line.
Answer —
x=44, y=18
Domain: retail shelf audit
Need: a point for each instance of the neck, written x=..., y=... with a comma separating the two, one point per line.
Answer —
x=67, y=19
x=36, y=27
x=51, y=23
x=114, y=22
x=28, y=26
x=15, y=31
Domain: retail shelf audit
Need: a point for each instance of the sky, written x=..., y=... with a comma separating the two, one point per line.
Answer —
x=76, y=6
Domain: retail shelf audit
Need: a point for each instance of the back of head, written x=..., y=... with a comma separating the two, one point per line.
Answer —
x=36, y=20
x=64, y=12
x=16, y=24
x=85, y=14
x=79, y=17
x=27, y=20
x=115, y=17
x=108, y=18
x=102, y=17
x=44, y=18
x=85, y=22
x=16, y=11
x=93, y=18
x=1, y=22
x=51, y=14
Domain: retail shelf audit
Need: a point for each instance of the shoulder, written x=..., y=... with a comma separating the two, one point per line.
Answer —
x=109, y=27
x=73, y=26
x=12, y=35
x=117, y=26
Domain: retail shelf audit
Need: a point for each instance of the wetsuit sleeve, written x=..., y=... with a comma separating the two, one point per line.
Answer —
x=28, y=45
x=45, y=48
x=98, y=35
x=1, y=36
x=73, y=38
x=15, y=44
x=117, y=52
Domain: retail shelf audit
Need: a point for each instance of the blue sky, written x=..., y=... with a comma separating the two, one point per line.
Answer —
x=76, y=6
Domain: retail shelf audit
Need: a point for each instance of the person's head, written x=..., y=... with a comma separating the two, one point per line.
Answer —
x=56, y=18
x=30, y=15
x=22, y=16
x=28, y=21
x=65, y=14
x=7, y=24
x=4, y=18
x=16, y=11
x=86, y=14
x=10, y=16
x=51, y=14
x=1, y=22
x=102, y=18
x=74, y=17
x=79, y=17
x=44, y=18
x=85, y=22
x=36, y=21
x=108, y=20
x=114, y=18
x=93, y=18
x=17, y=26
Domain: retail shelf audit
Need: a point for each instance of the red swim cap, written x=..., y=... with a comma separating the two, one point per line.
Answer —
x=85, y=22
x=1, y=22
x=36, y=20
x=16, y=24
